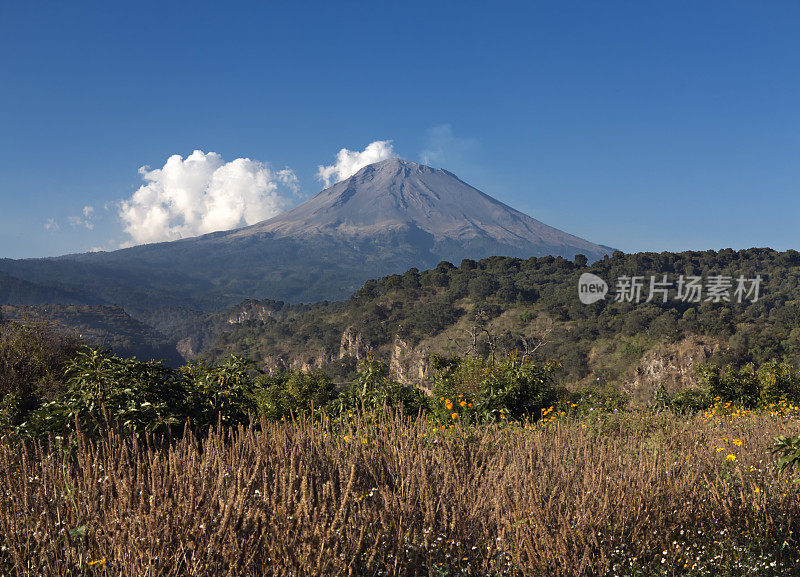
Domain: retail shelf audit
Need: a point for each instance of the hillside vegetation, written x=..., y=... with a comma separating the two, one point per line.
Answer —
x=100, y=326
x=492, y=306
x=505, y=304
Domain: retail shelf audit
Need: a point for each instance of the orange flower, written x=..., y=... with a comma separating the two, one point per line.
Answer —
x=463, y=403
x=454, y=416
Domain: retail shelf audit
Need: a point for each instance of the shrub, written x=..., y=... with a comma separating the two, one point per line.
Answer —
x=788, y=449
x=749, y=386
x=225, y=392
x=375, y=389
x=690, y=400
x=295, y=392
x=143, y=397
x=491, y=391
x=778, y=381
x=104, y=389
x=739, y=386
x=32, y=360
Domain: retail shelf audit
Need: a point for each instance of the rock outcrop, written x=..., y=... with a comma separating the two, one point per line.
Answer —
x=670, y=364
x=352, y=345
x=409, y=365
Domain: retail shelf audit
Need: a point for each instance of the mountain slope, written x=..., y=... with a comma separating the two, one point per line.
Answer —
x=396, y=195
x=389, y=217
x=101, y=326
x=15, y=291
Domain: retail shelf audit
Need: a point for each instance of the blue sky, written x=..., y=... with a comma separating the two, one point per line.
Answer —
x=641, y=125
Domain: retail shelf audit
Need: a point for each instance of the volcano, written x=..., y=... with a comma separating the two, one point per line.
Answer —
x=386, y=218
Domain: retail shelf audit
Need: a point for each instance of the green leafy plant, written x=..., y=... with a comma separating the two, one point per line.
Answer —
x=295, y=393
x=690, y=400
x=685, y=401
x=739, y=386
x=375, y=389
x=788, y=448
x=224, y=393
x=104, y=389
x=145, y=397
x=511, y=388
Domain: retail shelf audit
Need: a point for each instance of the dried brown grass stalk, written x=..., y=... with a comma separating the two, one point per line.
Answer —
x=384, y=497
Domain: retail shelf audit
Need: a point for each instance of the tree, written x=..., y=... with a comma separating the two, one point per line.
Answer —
x=482, y=286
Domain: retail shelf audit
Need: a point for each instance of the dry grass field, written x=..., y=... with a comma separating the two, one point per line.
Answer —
x=619, y=494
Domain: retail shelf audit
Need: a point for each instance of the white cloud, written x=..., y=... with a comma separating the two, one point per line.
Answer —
x=51, y=225
x=201, y=194
x=348, y=162
x=85, y=220
x=444, y=149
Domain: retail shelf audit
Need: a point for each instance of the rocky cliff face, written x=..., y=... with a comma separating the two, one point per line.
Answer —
x=313, y=362
x=352, y=345
x=409, y=365
x=671, y=364
x=250, y=310
x=189, y=347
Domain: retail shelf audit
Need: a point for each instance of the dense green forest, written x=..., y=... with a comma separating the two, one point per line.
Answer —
x=503, y=304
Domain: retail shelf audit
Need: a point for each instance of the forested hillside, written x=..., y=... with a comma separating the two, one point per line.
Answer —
x=15, y=291
x=494, y=305
x=503, y=304
x=99, y=326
